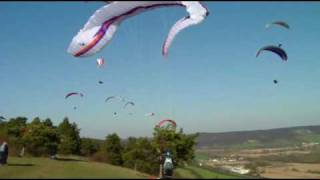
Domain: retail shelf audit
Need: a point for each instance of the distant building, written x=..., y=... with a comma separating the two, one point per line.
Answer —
x=239, y=170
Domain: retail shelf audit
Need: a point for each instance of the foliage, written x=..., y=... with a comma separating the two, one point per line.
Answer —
x=40, y=138
x=139, y=154
x=88, y=147
x=100, y=156
x=69, y=137
x=13, y=131
x=181, y=145
x=114, y=149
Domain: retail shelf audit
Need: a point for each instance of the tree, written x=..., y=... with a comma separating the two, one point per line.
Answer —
x=40, y=139
x=48, y=122
x=15, y=128
x=140, y=155
x=36, y=120
x=69, y=136
x=88, y=147
x=3, y=130
x=181, y=145
x=114, y=149
x=130, y=153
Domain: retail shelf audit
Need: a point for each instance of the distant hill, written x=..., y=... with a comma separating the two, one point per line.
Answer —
x=279, y=137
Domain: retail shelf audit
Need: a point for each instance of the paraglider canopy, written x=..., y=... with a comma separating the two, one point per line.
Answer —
x=131, y=103
x=114, y=97
x=166, y=123
x=279, y=23
x=275, y=49
x=72, y=94
x=2, y=119
x=101, y=26
x=100, y=62
x=149, y=114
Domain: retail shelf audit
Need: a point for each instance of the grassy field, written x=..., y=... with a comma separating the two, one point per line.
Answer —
x=74, y=167
x=193, y=172
x=202, y=155
x=64, y=168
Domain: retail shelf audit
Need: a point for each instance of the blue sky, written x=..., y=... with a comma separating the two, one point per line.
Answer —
x=210, y=82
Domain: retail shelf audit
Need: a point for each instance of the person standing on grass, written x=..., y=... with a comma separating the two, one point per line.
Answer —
x=168, y=165
x=5, y=152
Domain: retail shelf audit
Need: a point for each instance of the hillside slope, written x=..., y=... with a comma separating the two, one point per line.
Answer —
x=67, y=168
x=260, y=138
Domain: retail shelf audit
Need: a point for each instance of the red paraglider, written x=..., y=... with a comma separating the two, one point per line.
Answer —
x=161, y=123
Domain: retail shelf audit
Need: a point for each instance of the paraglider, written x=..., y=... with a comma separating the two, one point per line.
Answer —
x=149, y=114
x=131, y=103
x=100, y=62
x=275, y=49
x=2, y=118
x=72, y=94
x=279, y=23
x=165, y=121
x=102, y=25
x=114, y=97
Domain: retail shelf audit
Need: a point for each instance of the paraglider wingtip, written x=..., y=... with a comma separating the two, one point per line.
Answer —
x=164, y=54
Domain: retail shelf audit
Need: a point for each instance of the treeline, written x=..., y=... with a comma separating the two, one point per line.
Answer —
x=42, y=138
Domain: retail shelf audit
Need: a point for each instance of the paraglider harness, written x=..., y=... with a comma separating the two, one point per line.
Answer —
x=168, y=165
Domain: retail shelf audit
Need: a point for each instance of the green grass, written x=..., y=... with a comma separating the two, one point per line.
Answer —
x=193, y=172
x=201, y=156
x=67, y=168
x=75, y=167
x=310, y=138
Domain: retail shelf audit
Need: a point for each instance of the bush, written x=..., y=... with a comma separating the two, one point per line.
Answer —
x=100, y=156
